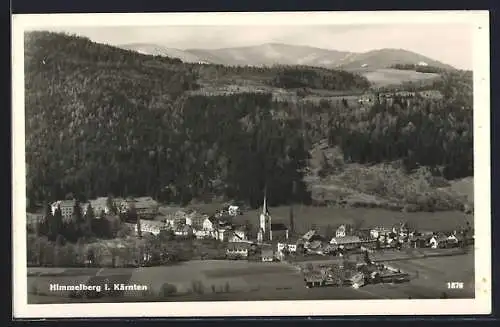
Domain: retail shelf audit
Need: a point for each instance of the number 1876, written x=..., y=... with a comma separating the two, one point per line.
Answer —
x=455, y=285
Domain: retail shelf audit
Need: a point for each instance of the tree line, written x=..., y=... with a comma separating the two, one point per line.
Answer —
x=419, y=68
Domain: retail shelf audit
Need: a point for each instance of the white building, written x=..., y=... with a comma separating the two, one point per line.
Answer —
x=151, y=226
x=67, y=208
x=238, y=249
x=99, y=206
x=379, y=232
x=290, y=247
x=234, y=210
x=341, y=231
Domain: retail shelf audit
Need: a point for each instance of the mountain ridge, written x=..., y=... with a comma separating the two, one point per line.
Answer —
x=279, y=53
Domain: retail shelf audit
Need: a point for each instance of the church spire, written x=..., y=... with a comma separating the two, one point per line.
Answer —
x=265, y=210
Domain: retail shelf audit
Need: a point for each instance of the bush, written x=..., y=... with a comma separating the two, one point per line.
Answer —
x=197, y=287
x=167, y=290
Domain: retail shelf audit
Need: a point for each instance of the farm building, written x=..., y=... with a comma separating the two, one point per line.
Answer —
x=345, y=241
x=238, y=249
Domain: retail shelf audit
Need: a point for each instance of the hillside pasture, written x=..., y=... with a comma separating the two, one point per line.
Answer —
x=385, y=77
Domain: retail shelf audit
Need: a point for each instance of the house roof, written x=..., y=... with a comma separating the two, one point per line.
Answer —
x=238, y=246
x=183, y=228
x=309, y=234
x=152, y=223
x=64, y=203
x=346, y=239
x=278, y=227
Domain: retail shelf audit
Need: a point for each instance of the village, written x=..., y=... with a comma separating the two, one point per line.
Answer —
x=351, y=256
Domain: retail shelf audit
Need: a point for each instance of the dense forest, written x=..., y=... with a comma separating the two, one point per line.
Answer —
x=101, y=120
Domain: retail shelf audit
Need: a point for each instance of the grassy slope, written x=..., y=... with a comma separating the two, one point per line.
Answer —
x=383, y=77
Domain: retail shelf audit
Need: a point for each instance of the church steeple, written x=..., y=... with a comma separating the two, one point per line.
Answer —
x=265, y=220
x=265, y=210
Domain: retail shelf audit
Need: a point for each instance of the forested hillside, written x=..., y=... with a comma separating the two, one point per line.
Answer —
x=102, y=120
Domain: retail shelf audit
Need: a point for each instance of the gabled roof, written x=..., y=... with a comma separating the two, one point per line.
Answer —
x=64, y=203
x=346, y=239
x=238, y=246
x=309, y=234
x=278, y=227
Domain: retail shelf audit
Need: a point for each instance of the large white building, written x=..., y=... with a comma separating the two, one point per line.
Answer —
x=67, y=208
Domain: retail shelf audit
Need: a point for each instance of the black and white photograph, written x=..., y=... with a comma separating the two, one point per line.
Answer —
x=311, y=163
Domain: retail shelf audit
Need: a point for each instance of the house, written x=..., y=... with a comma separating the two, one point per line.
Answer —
x=239, y=234
x=287, y=246
x=313, y=245
x=238, y=249
x=341, y=231
x=419, y=241
x=99, y=206
x=367, y=98
x=311, y=235
x=203, y=234
x=453, y=239
x=267, y=254
x=234, y=210
x=438, y=241
x=222, y=234
x=183, y=230
x=347, y=241
x=146, y=207
x=377, y=232
x=67, y=208
x=150, y=226
x=209, y=223
x=196, y=219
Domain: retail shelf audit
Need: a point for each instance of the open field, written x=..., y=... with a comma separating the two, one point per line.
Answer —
x=258, y=281
x=384, y=77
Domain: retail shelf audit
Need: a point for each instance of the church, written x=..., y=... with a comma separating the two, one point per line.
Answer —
x=269, y=231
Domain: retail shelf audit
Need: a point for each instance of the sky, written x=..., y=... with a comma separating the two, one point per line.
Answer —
x=448, y=43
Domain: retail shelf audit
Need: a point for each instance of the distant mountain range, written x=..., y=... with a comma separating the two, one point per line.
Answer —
x=276, y=53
